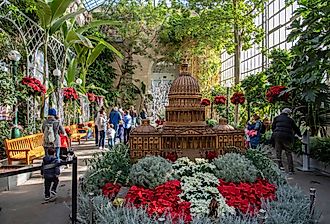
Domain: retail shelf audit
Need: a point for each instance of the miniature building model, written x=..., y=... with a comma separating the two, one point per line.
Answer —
x=185, y=131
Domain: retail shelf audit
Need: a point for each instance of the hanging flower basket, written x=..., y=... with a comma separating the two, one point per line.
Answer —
x=220, y=100
x=237, y=98
x=275, y=93
x=205, y=102
x=91, y=97
x=34, y=86
x=70, y=94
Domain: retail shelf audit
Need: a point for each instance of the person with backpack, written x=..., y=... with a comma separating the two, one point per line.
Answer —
x=50, y=175
x=284, y=129
x=52, y=129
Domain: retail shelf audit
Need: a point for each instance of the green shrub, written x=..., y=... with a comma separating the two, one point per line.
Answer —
x=291, y=206
x=233, y=167
x=266, y=167
x=212, y=122
x=106, y=167
x=320, y=149
x=150, y=172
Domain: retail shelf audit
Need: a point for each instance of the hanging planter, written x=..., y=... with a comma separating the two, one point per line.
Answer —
x=220, y=100
x=70, y=93
x=34, y=86
x=205, y=102
x=237, y=98
x=276, y=93
x=91, y=97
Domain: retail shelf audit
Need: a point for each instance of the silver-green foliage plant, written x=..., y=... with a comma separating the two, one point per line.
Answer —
x=233, y=167
x=150, y=172
x=106, y=167
x=266, y=167
x=291, y=206
x=8, y=93
x=185, y=167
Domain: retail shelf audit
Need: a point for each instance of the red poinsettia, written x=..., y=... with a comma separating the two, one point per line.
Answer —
x=159, y=122
x=91, y=97
x=111, y=190
x=34, y=85
x=210, y=155
x=171, y=156
x=70, y=93
x=205, y=102
x=247, y=196
x=220, y=100
x=237, y=98
x=162, y=200
x=275, y=93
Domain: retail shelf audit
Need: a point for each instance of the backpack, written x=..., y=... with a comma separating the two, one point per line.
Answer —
x=262, y=128
x=49, y=134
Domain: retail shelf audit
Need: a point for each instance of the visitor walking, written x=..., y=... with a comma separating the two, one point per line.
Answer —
x=111, y=134
x=96, y=129
x=120, y=133
x=143, y=114
x=284, y=129
x=114, y=118
x=50, y=175
x=127, y=126
x=52, y=129
x=102, y=126
x=255, y=135
x=133, y=114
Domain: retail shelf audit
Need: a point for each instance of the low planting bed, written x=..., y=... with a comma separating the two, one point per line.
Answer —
x=232, y=188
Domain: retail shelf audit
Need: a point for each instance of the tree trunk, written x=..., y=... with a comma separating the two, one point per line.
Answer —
x=43, y=100
x=237, y=58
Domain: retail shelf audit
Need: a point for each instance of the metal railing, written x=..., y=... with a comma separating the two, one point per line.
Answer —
x=74, y=163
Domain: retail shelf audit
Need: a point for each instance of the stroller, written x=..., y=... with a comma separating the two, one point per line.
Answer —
x=66, y=152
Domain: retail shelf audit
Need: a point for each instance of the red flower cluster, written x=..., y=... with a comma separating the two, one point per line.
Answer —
x=205, y=102
x=159, y=122
x=91, y=97
x=210, y=155
x=110, y=190
x=171, y=156
x=273, y=94
x=247, y=196
x=220, y=100
x=237, y=98
x=34, y=85
x=70, y=93
x=164, y=199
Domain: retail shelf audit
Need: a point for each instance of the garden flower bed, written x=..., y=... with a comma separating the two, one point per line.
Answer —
x=229, y=189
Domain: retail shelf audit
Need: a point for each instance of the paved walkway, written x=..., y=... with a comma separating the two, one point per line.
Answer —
x=23, y=205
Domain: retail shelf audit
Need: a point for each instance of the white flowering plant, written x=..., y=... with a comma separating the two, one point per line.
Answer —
x=199, y=189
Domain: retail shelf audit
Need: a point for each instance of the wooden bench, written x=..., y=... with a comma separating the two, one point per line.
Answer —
x=25, y=148
x=75, y=134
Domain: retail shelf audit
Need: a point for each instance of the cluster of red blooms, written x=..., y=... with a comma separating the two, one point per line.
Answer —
x=91, y=97
x=171, y=156
x=159, y=122
x=210, y=155
x=35, y=85
x=237, y=98
x=273, y=94
x=220, y=100
x=247, y=196
x=70, y=93
x=205, y=102
x=110, y=190
x=162, y=200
